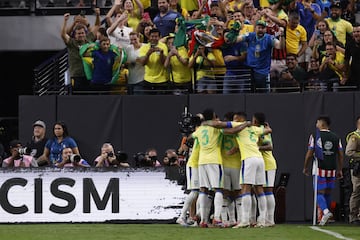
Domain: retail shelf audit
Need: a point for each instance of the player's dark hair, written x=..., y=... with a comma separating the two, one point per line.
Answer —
x=325, y=119
x=208, y=114
x=260, y=118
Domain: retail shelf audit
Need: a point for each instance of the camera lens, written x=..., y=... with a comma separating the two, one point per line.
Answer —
x=110, y=154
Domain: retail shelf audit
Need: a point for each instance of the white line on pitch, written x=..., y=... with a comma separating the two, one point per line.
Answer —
x=334, y=234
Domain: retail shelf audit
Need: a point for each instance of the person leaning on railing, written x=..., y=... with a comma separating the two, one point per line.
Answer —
x=292, y=78
x=332, y=68
x=152, y=55
x=177, y=62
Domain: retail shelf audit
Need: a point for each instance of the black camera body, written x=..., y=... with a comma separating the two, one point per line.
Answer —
x=24, y=151
x=173, y=160
x=74, y=158
x=121, y=156
x=143, y=160
x=188, y=122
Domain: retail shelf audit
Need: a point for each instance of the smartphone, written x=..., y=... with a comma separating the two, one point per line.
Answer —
x=146, y=16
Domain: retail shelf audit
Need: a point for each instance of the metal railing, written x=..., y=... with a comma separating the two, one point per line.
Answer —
x=50, y=76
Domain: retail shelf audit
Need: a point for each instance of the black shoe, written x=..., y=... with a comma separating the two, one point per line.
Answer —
x=69, y=4
x=50, y=4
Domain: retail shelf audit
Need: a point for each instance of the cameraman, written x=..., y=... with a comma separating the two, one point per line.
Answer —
x=147, y=159
x=108, y=158
x=171, y=158
x=17, y=156
x=69, y=159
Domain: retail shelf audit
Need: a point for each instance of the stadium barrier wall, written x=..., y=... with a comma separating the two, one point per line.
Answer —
x=88, y=195
x=134, y=123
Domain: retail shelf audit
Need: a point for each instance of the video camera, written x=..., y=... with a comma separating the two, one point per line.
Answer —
x=188, y=122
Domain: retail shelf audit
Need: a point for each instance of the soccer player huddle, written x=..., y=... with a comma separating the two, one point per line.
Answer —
x=230, y=173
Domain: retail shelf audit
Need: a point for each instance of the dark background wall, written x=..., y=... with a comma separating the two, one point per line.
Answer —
x=134, y=123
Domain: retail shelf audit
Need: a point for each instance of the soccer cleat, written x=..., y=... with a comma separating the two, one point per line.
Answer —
x=325, y=218
x=181, y=221
x=218, y=224
x=259, y=225
x=230, y=224
x=203, y=225
x=269, y=224
x=195, y=224
x=242, y=225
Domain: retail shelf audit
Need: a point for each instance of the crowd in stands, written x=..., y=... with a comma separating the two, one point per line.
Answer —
x=213, y=46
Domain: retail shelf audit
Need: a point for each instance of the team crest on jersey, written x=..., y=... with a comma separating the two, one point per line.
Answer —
x=328, y=148
x=328, y=145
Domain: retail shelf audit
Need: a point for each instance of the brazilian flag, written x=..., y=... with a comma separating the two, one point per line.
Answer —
x=121, y=58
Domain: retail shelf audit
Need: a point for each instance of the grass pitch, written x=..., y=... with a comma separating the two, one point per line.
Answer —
x=105, y=231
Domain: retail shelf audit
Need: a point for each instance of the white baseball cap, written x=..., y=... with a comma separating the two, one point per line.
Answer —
x=39, y=123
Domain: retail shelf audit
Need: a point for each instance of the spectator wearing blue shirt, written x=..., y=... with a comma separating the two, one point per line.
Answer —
x=258, y=58
x=234, y=57
x=55, y=145
x=165, y=19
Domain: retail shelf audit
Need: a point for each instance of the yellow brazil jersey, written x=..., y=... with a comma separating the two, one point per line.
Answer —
x=294, y=37
x=209, y=139
x=247, y=28
x=203, y=68
x=339, y=59
x=189, y=5
x=264, y=3
x=340, y=27
x=155, y=72
x=235, y=5
x=247, y=140
x=133, y=21
x=229, y=143
x=269, y=160
x=281, y=15
x=193, y=160
x=180, y=73
x=219, y=68
x=146, y=4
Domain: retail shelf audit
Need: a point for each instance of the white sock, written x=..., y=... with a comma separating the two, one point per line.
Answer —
x=218, y=202
x=224, y=209
x=262, y=209
x=326, y=211
x=203, y=202
x=238, y=208
x=231, y=212
x=245, y=209
x=198, y=207
x=270, y=208
x=209, y=202
x=253, y=209
x=188, y=201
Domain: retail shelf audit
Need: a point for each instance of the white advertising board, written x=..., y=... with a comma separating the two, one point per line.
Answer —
x=68, y=195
